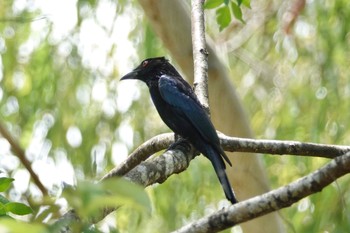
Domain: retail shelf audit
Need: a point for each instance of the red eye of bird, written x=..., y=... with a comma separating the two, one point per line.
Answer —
x=144, y=63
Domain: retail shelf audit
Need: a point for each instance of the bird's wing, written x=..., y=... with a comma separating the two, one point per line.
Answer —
x=179, y=94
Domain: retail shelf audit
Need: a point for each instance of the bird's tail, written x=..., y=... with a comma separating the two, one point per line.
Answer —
x=219, y=167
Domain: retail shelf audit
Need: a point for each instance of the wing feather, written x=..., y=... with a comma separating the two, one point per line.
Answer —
x=179, y=94
x=181, y=97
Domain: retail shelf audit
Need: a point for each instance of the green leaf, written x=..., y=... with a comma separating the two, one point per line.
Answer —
x=245, y=3
x=223, y=17
x=5, y=183
x=237, y=12
x=129, y=192
x=18, y=208
x=210, y=4
x=89, y=198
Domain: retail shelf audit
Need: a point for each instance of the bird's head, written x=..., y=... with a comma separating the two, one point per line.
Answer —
x=150, y=70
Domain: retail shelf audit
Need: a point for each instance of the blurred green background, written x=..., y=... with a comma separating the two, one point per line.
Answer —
x=61, y=99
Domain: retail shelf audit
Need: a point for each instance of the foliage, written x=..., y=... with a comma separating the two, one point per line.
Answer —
x=295, y=86
x=6, y=206
x=226, y=8
x=60, y=98
x=88, y=198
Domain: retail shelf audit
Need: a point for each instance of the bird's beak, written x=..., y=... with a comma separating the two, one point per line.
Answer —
x=131, y=75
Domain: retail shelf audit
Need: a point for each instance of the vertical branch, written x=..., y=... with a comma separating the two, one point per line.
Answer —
x=200, y=54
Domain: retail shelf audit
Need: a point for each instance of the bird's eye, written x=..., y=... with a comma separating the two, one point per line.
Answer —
x=144, y=63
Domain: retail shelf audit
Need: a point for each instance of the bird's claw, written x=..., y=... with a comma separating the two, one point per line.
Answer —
x=179, y=141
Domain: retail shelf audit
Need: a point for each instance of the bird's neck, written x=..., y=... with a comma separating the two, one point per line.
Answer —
x=152, y=83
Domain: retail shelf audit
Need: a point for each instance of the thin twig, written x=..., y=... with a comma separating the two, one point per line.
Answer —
x=22, y=19
x=18, y=151
x=274, y=200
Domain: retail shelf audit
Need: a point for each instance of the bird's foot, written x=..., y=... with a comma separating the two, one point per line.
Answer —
x=180, y=142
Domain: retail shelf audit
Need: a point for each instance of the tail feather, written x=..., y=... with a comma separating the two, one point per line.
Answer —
x=225, y=185
x=219, y=167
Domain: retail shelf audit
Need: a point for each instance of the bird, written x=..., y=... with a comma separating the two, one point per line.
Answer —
x=180, y=109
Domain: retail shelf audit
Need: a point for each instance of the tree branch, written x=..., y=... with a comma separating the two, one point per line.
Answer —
x=154, y=170
x=143, y=152
x=279, y=147
x=176, y=160
x=158, y=169
x=200, y=53
x=274, y=200
x=293, y=11
x=169, y=18
x=232, y=144
x=18, y=151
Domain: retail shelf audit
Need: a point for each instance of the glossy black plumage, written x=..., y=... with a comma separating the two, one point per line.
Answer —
x=181, y=111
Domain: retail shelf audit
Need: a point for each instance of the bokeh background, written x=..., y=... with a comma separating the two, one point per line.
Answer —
x=60, y=98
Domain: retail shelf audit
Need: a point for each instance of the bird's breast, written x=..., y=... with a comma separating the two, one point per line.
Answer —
x=168, y=113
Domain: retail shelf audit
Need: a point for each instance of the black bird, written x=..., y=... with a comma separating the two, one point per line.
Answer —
x=181, y=111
